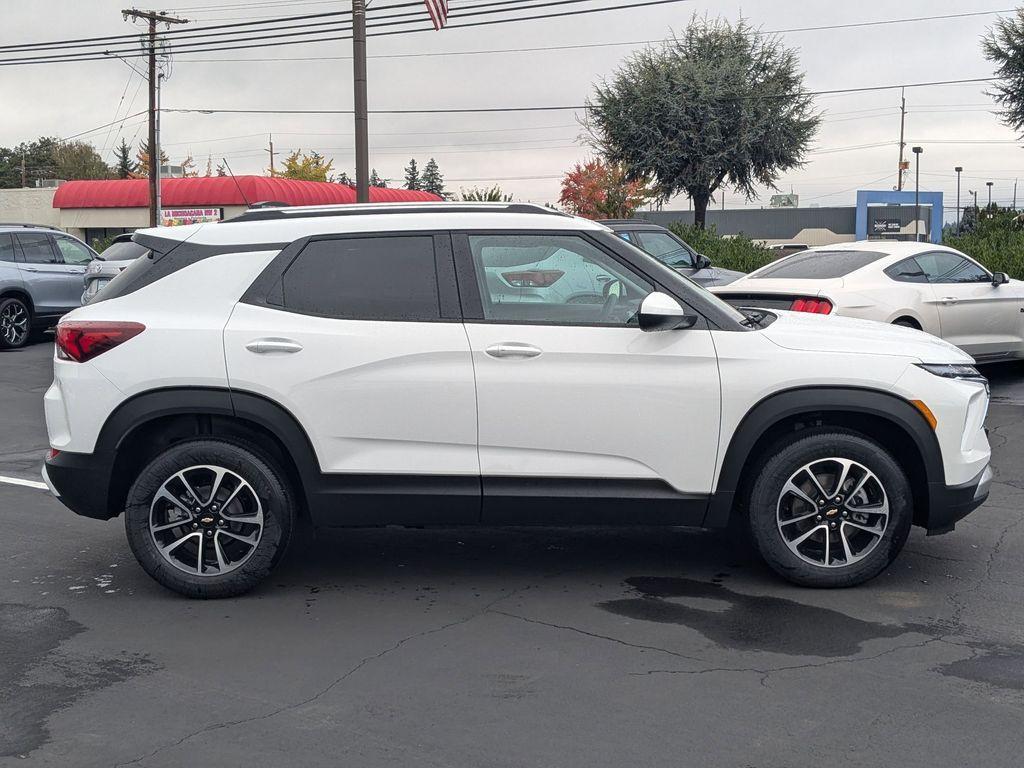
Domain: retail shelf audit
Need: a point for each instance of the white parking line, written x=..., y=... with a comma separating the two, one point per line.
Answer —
x=27, y=483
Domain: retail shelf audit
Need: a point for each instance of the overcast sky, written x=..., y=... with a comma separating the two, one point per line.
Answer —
x=67, y=99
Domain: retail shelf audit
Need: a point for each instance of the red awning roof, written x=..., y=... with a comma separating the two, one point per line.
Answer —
x=216, y=191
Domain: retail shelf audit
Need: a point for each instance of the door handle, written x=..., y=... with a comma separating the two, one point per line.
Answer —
x=513, y=349
x=31, y=269
x=949, y=299
x=266, y=346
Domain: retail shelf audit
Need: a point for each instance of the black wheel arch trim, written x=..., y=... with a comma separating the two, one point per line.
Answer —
x=790, y=403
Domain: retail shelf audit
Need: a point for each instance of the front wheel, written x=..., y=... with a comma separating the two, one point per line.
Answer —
x=830, y=509
x=209, y=518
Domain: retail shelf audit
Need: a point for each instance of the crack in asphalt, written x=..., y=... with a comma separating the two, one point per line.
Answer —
x=365, y=661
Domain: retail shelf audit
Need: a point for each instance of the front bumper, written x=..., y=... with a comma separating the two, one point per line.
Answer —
x=81, y=481
x=949, y=504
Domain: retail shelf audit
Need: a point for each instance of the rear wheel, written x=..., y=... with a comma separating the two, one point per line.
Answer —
x=208, y=518
x=15, y=323
x=830, y=509
x=907, y=322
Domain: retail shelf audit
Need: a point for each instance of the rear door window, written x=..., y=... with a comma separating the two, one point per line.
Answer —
x=36, y=248
x=818, y=265
x=365, y=278
x=7, y=252
x=907, y=271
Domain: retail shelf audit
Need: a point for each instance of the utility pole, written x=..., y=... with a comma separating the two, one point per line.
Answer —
x=989, y=185
x=154, y=18
x=1015, y=195
x=271, y=151
x=903, y=144
x=359, y=92
x=959, y=170
x=24, y=175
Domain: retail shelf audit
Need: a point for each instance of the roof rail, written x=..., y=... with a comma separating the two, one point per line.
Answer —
x=356, y=209
x=30, y=226
x=623, y=221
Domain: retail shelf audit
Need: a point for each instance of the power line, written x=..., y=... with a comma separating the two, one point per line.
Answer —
x=580, y=46
x=198, y=47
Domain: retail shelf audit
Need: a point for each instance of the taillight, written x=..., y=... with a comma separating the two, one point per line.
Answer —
x=83, y=340
x=534, y=278
x=814, y=306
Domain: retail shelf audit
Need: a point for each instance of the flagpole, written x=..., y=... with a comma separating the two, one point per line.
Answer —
x=359, y=95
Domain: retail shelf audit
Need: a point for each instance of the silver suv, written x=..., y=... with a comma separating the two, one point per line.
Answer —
x=41, y=271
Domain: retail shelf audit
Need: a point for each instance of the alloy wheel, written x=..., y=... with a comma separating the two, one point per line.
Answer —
x=833, y=512
x=206, y=520
x=14, y=323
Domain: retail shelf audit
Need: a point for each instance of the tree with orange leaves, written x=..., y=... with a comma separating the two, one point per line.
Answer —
x=596, y=190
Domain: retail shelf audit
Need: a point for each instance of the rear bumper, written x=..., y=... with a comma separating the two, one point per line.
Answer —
x=82, y=483
x=949, y=504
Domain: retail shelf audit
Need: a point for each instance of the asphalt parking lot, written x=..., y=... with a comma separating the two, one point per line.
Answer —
x=506, y=647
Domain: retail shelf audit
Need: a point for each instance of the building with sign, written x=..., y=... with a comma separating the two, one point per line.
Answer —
x=97, y=210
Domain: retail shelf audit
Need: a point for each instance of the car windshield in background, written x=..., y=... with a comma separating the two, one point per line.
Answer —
x=818, y=265
x=124, y=250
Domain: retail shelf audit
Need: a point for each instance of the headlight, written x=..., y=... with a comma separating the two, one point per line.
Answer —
x=954, y=371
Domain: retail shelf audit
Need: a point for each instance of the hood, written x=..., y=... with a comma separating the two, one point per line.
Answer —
x=829, y=333
x=713, y=276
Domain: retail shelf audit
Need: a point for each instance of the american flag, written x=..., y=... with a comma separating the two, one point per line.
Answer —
x=438, y=10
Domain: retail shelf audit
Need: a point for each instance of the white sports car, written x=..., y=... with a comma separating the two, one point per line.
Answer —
x=920, y=285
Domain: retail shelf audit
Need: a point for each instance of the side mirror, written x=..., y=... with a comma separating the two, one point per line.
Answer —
x=1000, y=278
x=660, y=312
x=703, y=262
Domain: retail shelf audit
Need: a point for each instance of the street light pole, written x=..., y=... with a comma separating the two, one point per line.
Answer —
x=989, y=185
x=917, y=194
x=359, y=83
x=959, y=170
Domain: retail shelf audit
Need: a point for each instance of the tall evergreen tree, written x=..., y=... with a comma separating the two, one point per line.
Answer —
x=377, y=181
x=432, y=180
x=124, y=166
x=343, y=178
x=412, y=175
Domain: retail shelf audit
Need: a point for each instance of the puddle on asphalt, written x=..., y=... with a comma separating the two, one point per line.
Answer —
x=37, y=677
x=750, y=622
x=777, y=625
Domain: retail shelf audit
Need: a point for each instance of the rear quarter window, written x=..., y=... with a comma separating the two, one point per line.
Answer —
x=818, y=265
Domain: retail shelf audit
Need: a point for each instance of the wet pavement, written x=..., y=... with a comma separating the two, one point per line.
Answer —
x=523, y=647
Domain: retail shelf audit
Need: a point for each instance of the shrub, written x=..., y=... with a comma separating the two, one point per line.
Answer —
x=996, y=242
x=738, y=252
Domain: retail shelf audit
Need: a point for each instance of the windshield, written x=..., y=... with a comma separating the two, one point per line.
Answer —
x=123, y=250
x=817, y=265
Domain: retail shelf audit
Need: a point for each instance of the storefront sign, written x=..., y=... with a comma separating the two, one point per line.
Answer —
x=885, y=226
x=173, y=217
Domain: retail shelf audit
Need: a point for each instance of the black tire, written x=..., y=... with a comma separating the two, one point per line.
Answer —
x=15, y=323
x=267, y=483
x=905, y=322
x=766, y=496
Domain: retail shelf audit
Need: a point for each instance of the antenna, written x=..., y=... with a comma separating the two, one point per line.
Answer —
x=237, y=185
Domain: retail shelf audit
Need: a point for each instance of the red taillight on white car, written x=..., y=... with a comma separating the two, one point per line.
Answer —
x=534, y=278
x=814, y=306
x=83, y=340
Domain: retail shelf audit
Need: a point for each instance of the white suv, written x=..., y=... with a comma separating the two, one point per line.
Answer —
x=356, y=367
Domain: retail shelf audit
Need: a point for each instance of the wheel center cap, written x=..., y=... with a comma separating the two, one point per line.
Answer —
x=207, y=520
x=832, y=512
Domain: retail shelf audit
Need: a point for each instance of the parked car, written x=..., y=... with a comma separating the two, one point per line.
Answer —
x=351, y=366
x=40, y=279
x=918, y=285
x=107, y=265
x=670, y=249
x=788, y=247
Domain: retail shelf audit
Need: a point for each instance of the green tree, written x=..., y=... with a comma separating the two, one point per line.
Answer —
x=79, y=160
x=720, y=105
x=36, y=158
x=1003, y=45
x=412, y=175
x=343, y=178
x=221, y=170
x=311, y=167
x=124, y=166
x=377, y=181
x=432, y=181
x=485, y=195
